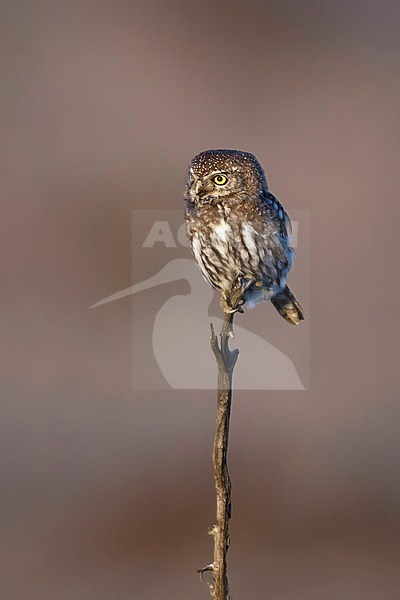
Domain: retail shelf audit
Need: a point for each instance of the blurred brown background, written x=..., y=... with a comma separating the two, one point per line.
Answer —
x=106, y=493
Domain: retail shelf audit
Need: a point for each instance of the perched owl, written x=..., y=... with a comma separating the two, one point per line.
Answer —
x=238, y=231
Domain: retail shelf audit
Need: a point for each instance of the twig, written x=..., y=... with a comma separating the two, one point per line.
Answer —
x=226, y=360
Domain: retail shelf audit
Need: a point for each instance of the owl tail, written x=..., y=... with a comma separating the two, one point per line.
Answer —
x=287, y=305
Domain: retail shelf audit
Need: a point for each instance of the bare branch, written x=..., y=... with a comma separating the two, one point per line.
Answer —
x=226, y=361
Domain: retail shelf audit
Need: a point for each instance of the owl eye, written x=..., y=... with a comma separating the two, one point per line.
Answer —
x=220, y=179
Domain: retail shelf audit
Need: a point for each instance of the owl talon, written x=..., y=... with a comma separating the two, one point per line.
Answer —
x=230, y=311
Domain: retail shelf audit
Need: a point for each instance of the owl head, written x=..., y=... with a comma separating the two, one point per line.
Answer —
x=215, y=175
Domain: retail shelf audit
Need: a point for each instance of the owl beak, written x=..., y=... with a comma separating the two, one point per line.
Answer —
x=198, y=186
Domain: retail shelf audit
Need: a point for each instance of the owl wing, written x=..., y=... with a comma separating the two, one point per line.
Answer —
x=278, y=213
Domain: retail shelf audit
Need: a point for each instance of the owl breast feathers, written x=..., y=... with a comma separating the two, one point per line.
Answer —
x=238, y=231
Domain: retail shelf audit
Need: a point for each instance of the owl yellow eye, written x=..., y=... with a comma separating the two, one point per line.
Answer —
x=220, y=179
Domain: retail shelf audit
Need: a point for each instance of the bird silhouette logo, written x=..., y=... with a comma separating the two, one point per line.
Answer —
x=179, y=335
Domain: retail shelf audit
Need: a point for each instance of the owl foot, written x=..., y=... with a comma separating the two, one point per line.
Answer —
x=229, y=307
x=233, y=300
x=239, y=309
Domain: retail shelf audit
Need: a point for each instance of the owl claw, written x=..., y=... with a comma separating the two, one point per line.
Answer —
x=230, y=311
x=233, y=300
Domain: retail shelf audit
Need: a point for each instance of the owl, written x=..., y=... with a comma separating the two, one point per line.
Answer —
x=239, y=232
